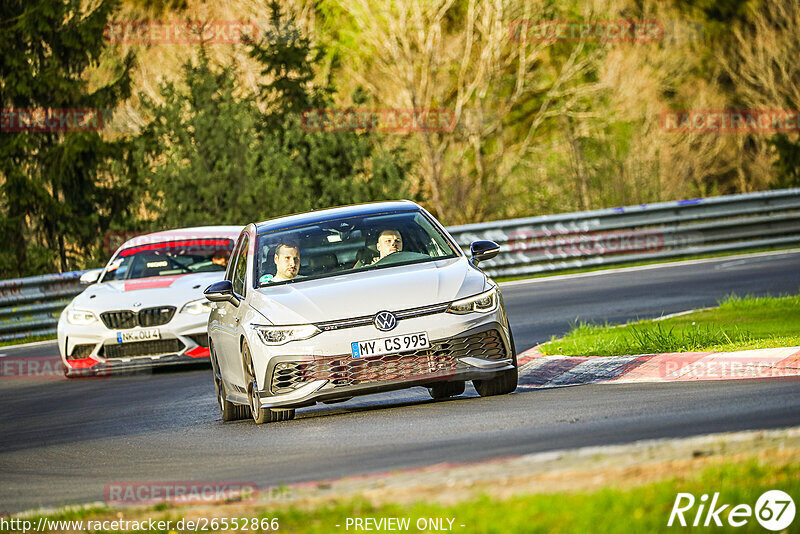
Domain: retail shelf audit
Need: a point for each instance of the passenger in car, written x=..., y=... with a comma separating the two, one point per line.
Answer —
x=287, y=261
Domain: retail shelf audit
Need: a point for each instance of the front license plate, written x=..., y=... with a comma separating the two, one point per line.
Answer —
x=146, y=334
x=390, y=345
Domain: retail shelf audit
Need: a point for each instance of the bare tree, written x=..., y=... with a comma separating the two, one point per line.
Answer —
x=762, y=63
x=501, y=87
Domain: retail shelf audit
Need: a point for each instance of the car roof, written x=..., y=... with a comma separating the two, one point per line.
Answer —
x=314, y=217
x=198, y=232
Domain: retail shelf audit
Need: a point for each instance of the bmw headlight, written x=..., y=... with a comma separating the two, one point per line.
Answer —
x=197, y=307
x=279, y=335
x=481, y=303
x=82, y=317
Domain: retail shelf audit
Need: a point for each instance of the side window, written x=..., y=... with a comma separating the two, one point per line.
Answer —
x=237, y=249
x=240, y=269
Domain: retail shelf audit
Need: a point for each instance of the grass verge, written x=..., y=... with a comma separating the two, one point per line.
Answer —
x=641, y=507
x=739, y=323
x=12, y=342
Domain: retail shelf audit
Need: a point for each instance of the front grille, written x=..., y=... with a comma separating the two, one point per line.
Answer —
x=142, y=348
x=341, y=371
x=123, y=319
x=116, y=320
x=156, y=316
x=81, y=351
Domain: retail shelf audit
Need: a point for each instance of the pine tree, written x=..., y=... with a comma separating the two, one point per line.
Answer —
x=56, y=192
x=209, y=156
x=316, y=169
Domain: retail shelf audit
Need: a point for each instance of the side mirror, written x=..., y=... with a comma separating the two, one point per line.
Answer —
x=90, y=277
x=483, y=250
x=221, y=292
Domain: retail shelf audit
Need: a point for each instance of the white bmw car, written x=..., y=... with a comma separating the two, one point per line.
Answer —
x=327, y=305
x=146, y=307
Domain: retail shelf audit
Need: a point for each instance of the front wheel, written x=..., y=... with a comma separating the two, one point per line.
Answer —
x=260, y=415
x=504, y=383
x=228, y=410
x=444, y=390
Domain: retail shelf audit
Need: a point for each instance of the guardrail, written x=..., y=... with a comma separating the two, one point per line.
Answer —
x=31, y=306
x=549, y=243
x=647, y=232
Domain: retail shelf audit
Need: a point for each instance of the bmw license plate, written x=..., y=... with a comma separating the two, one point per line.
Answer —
x=390, y=345
x=145, y=334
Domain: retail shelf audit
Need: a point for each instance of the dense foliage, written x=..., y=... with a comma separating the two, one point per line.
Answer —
x=213, y=134
x=58, y=192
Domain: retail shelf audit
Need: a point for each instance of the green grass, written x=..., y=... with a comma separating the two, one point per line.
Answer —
x=644, y=508
x=737, y=324
x=26, y=340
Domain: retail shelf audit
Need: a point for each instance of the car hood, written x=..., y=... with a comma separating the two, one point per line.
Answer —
x=366, y=293
x=154, y=291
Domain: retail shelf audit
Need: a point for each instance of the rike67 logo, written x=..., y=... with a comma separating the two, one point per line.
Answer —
x=774, y=510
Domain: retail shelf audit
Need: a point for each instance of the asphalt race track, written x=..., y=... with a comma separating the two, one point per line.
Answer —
x=62, y=441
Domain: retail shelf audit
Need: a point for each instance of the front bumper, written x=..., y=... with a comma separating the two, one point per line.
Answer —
x=94, y=349
x=479, y=353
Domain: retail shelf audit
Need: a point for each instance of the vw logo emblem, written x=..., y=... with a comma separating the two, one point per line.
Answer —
x=385, y=321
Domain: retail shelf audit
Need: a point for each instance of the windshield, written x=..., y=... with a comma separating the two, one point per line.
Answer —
x=170, y=258
x=348, y=245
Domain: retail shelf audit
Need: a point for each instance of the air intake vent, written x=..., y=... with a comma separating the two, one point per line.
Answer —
x=156, y=316
x=142, y=348
x=440, y=359
x=118, y=320
x=123, y=319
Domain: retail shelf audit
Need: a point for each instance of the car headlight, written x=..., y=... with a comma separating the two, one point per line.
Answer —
x=279, y=335
x=482, y=303
x=82, y=317
x=197, y=307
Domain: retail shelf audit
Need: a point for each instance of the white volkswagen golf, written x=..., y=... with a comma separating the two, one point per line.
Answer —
x=327, y=305
x=146, y=307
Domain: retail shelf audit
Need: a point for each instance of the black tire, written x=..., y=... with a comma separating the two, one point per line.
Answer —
x=505, y=382
x=260, y=415
x=228, y=410
x=444, y=390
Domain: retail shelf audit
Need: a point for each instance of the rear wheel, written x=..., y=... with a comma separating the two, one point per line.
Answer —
x=444, y=390
x=260, y=415
x=228, y=410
